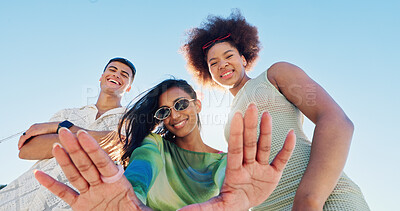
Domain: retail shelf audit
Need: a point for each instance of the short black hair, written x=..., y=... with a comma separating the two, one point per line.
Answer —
x=123, y=61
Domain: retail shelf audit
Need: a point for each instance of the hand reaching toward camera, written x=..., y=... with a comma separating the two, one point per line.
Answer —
x=85, y=163
x=249, y=177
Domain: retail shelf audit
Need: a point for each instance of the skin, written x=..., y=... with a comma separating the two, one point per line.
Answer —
x=226, y=66
x=187, y=132
x=114, y=82
x=333, y=129
x=249, y=179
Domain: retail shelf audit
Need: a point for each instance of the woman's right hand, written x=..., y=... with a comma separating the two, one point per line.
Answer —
x=83, y=163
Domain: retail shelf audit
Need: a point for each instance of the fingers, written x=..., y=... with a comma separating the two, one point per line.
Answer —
x=101, y=160
x=250, y=134
x=25, y=136
x=69, y=169
x=21, y=141
x=59, y=189
x=283, y=156
x=35, y=130
x=79, y=157
x=235, y=146
x=264, y=141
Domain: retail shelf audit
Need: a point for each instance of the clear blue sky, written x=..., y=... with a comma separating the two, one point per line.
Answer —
x=52, y=54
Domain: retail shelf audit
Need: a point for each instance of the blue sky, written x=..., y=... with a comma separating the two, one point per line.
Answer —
x=53, y=52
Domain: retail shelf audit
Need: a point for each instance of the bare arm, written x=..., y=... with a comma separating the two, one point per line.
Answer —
x=249, y=178
x=332, y=134
x=39, y=147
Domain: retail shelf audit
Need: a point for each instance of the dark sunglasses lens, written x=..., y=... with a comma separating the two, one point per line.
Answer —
x=181, y=104
x=162, y=113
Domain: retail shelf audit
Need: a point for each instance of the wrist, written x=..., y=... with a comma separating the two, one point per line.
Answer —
x=67, y=124
x=54, y=127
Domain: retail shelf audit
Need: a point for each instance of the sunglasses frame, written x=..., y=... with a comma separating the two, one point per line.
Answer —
x=169, y=108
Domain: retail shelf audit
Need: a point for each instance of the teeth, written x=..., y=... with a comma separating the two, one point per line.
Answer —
x=180, y=123
x=227, y=73
x=113, y=81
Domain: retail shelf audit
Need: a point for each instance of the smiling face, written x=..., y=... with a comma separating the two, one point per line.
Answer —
x=226, y=65
x=117, y=78
x=180, y=123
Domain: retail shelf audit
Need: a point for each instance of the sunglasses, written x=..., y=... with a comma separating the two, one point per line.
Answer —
x=164, y=111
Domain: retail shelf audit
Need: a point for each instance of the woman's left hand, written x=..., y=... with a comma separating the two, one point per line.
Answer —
x=249, y=178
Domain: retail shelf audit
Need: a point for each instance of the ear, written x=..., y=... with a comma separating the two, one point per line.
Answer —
x=101, y=77
x=244, y=61
x=198, y=105
x=128, y=89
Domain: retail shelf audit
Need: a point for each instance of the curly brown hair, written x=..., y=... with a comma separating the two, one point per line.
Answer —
x=244, y=37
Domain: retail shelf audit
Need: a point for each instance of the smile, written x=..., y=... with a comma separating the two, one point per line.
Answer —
x=114, y=81
x=227, y=74
x=180, y=124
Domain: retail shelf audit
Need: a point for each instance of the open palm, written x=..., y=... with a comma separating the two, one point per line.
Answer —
x=249, y=178
x=83, y=165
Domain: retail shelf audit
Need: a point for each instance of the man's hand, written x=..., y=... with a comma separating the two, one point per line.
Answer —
x=38, y=129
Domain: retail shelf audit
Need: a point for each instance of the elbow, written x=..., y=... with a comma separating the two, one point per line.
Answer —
x=22, y=154
x=26, y=154
x=349, y=125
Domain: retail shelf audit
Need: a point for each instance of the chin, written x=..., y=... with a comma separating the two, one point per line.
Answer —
x=226, y=86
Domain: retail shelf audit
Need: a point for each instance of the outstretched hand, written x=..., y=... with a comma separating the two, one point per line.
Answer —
x=83, y=163
x=249, y=178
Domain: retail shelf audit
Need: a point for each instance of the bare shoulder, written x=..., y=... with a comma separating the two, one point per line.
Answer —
x=281, y=72
x=282, y=69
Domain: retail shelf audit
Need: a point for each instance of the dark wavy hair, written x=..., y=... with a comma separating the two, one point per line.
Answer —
x=244, y=37
x=139, y=121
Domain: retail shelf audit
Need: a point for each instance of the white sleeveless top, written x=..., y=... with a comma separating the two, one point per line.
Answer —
x=286, y=116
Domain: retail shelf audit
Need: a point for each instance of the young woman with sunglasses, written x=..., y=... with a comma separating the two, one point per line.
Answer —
x=219, y=53
x=169, y=164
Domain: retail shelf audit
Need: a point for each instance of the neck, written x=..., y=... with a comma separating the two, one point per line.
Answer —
x=235, y=89
x=193, y=142
x=107, y=102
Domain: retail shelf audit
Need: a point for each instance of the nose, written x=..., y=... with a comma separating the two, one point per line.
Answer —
x=223, y=64
x=117, y=74
x=174, y=114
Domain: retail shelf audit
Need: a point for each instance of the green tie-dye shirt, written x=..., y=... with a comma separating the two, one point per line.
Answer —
x=166, y=177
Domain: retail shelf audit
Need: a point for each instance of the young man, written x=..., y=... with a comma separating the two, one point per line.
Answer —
x=36, y=143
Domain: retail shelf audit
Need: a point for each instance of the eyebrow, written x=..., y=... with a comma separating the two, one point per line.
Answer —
x=223, y=54
x=125, y=72
x=121, y=70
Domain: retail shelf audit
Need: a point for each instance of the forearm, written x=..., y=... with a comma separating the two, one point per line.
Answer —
x=97, y=135
x=330, y=146
x=40, y=147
